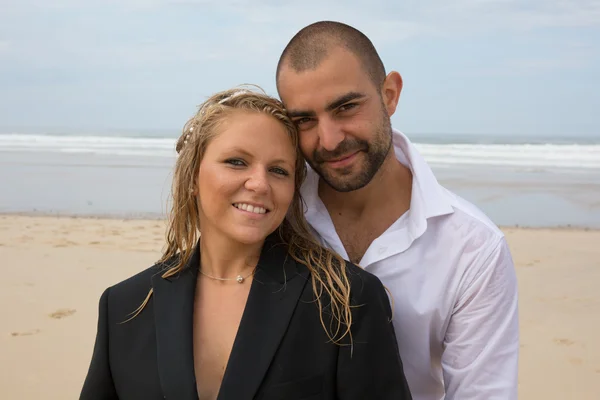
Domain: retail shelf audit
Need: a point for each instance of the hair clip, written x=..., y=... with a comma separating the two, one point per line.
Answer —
x=234, y=94
x=186, y=138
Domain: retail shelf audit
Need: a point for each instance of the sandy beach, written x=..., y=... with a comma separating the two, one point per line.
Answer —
x=54, y=270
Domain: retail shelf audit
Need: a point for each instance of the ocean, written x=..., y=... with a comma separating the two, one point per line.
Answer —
x=521, y=180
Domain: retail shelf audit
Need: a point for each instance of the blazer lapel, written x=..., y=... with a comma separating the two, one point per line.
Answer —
x=173, y=315
x=275, y=291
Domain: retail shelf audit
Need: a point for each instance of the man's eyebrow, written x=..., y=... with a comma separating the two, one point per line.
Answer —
x=330, y=107
x=300, y=113
x=344, y=99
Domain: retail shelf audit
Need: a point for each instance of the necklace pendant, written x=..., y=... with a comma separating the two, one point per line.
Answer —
x=239, y=279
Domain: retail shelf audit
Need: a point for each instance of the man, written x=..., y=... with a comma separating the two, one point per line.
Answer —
x=371, y=197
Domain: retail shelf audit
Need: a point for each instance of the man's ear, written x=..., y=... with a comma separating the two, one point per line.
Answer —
x=390, y=92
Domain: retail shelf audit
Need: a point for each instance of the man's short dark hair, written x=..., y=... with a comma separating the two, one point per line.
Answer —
x=311, y=45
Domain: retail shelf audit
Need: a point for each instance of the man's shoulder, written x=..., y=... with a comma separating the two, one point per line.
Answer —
x=470, y=238
x=467, y=218
x=463, y=242
x=446, y=210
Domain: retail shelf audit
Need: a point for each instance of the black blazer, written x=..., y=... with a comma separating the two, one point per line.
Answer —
x=280, y=352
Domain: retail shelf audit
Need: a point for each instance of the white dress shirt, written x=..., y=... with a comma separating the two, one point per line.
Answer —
x=454, y=287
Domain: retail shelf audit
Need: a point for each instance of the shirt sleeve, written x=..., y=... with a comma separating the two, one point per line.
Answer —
x=481, y=346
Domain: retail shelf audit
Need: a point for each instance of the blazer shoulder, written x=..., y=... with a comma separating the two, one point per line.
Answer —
x=366, y=287
x=136, y=285
x=362, y=280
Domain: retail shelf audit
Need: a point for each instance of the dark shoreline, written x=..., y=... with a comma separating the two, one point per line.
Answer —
x=157, y=217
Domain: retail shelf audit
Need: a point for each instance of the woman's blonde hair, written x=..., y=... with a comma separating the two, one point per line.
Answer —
x=327, y=268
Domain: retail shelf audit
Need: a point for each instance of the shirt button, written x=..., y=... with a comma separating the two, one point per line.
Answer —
x=382, y=250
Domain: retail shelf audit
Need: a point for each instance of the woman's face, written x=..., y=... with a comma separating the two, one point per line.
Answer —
x=246, y=178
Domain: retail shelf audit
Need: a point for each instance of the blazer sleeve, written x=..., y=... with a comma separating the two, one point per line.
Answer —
x=98, y=384
x=371, y=367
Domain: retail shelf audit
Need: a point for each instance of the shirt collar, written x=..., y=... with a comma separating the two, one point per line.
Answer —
x=428, y=198
x=432, y=196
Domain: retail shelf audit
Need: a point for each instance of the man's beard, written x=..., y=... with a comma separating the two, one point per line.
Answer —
x=375, y=154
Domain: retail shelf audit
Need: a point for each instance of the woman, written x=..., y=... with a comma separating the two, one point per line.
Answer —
x=253, y=307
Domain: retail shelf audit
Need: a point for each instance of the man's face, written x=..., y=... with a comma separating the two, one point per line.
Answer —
x=345, y=130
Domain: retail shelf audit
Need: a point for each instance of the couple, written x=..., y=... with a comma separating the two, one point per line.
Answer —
x=249, y=301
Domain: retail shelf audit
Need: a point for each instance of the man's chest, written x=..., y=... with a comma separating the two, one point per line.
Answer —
x=355, y=243
x=423, y=291
x=357, y=236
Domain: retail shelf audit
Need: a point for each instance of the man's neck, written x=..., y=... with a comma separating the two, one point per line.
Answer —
x=389, y=192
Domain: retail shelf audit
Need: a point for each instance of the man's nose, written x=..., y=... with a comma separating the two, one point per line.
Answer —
x=330, y=134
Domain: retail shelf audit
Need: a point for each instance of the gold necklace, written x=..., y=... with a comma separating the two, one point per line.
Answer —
x=238, y=279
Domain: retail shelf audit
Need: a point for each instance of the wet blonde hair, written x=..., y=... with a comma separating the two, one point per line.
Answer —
x=328, y=269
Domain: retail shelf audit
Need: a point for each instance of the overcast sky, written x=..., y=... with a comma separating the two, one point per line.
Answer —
x=469, y=66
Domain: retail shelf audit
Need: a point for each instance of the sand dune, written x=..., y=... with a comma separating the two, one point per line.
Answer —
x=54, y=270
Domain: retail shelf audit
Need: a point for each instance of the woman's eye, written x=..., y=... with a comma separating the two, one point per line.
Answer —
x=236, y=162
x=280, y=171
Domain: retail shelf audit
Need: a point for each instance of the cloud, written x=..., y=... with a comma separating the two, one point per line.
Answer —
x=128, y=34
x=419, y=17
x=547, y=64
x=264, y=27
x=4, y=46
x=516, y=14
x=531, y=67
x=149, y=59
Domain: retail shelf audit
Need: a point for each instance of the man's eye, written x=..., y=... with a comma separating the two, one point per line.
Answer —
x=347, y=107
x=302, y=121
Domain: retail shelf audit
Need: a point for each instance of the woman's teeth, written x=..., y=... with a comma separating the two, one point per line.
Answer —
x=249, y=208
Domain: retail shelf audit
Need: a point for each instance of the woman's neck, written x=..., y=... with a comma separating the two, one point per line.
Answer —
x=221, y=257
